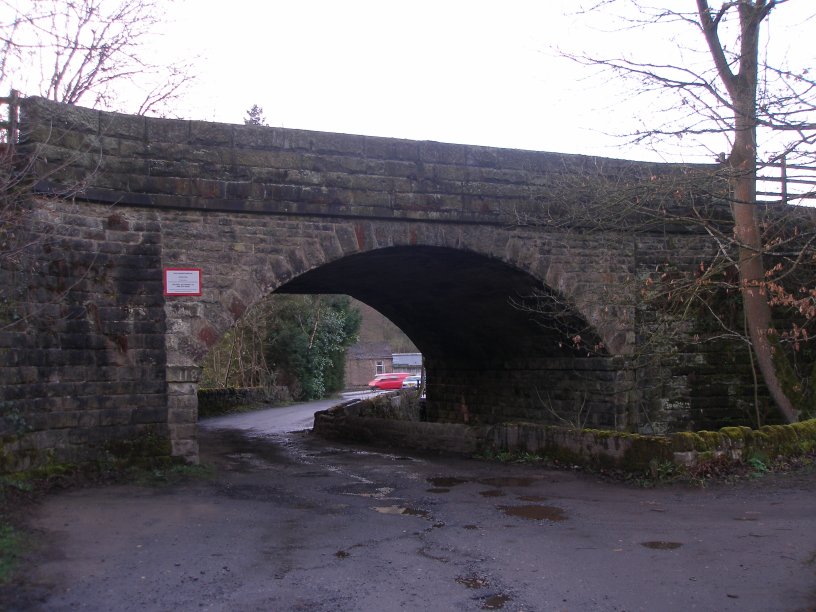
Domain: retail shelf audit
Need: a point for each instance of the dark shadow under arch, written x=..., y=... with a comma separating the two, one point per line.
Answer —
x=487, y=359
x=453, y=304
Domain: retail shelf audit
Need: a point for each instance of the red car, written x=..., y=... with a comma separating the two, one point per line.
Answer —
x=392, y=380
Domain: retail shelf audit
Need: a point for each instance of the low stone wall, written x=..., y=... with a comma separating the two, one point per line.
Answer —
x=372, y=423
x=216, y=401
x=639, y=452
x=393, y=420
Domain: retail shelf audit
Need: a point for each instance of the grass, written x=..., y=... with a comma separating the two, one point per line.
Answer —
x=172, y=475
x=718, y=469
x=511, y=456
x=11, y=544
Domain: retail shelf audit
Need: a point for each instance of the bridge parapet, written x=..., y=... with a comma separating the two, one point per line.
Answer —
x=171, y=163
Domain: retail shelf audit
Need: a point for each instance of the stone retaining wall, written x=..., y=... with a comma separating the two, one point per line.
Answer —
x=353, y=422
x=216, y=401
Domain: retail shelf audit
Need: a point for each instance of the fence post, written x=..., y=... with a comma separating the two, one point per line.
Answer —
x=12, y=123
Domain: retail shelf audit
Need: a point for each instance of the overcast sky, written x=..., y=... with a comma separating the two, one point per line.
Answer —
x=465, y=71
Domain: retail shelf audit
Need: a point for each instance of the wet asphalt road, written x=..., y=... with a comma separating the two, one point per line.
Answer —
x=294, y=523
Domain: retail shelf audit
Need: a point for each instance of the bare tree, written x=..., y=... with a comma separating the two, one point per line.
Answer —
x=738, y=94
x=95, y=52
x=83, y=51
x=238, y=360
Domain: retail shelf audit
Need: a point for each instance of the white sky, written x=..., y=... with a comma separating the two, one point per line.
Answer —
x=457, y=71
x=466, y=71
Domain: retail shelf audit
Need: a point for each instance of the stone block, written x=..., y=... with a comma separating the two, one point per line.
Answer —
x=185, y=449
x=326, y=143
x=175, y=131
x=149, y=414
x=184, y=431
x=211, y=134
x=118, y=125
x=181, y=415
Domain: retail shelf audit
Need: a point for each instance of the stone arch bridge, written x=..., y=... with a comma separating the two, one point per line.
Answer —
x=446, y=240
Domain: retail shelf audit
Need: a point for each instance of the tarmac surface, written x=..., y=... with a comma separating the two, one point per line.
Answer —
x=291, y=522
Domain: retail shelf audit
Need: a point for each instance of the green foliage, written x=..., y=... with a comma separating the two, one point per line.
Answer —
x=287, y=341
x=16, y=482
x=147, y=449
x=509, y=456
x=173, y=474
x=12, y=421
x=255, y=116
x=796, y=368
x=759, y=466
x=307, y=340
x=665, y=471
x=11, y=542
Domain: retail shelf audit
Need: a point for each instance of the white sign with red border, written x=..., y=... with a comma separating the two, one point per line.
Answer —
x=182, y=281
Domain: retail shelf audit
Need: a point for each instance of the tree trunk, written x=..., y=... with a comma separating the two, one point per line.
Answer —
x=754, y=296
x=742, y=89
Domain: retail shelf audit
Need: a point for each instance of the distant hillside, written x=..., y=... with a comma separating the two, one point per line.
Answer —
x=377, y=328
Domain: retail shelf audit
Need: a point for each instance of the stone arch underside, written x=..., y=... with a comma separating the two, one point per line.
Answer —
x=501, y=365
x=245, y=257
x=489, y=358
x=453, y=304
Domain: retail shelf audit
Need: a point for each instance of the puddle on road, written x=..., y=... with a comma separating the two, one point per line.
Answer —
x=492, y=493
x=471, y=527
x=508, y=481
x=535, y=512
x=312, y=475
x=379, y=493
x=661, y=545
x=438, y=490
x=531, y=498
x=243, y=452
x=400, y=510
x=446, y=481
x=496, y=602
x=472, y=582
x=247, y=462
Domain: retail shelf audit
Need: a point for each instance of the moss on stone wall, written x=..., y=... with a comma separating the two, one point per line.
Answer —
x=637, y=453
x=148, y=448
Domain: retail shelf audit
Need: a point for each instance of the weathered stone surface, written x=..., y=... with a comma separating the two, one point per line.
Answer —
x=437, y=237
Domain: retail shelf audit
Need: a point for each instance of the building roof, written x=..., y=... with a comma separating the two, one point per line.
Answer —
x=369, y=350
x=407, y=359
